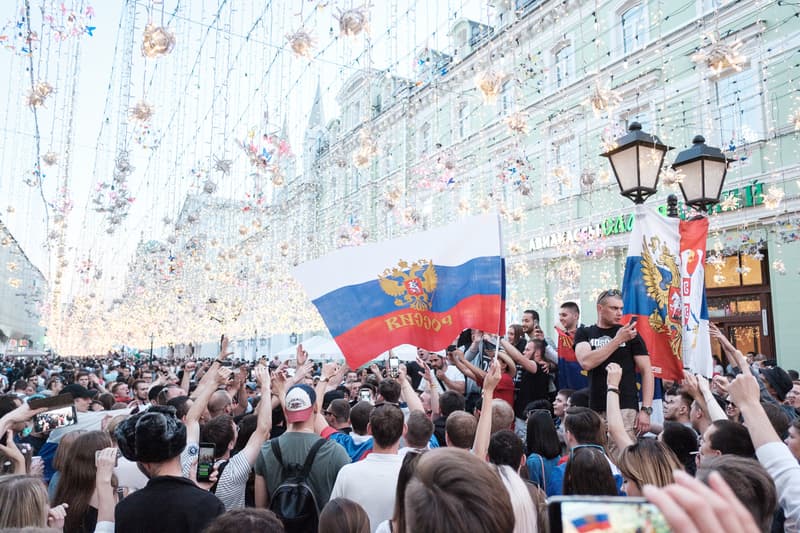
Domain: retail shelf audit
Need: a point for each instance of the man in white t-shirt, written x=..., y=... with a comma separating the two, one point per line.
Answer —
x=448, y=377
x=372, y=482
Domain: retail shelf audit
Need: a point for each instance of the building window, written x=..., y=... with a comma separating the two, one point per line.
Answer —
x=425, y=139
x=462, y=121
x=634, y=28
x=739, y=110
x=506, y=98
x=563, y=66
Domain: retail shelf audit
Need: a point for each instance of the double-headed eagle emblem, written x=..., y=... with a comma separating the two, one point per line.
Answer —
x=662, y=281
x=410, y=285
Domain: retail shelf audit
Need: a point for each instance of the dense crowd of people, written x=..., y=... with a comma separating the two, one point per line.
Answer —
x=478, y=438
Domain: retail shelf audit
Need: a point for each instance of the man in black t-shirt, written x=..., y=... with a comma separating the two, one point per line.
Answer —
x=610, y=341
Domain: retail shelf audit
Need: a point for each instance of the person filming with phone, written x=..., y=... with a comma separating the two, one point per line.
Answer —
x=611, y=341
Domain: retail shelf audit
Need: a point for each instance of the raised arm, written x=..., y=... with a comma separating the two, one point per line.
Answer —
x=483, y=433
x=407, y=391
x=104, y=461
x=241, y=393
x=263, y=416
x=709, y=406
x=648, y=385
x=468, y=369
x=616, y=426
x=518, y=357
x=204, y=390
x=433, y=387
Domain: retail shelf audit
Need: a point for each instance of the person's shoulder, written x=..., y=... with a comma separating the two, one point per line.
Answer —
x=335, y=451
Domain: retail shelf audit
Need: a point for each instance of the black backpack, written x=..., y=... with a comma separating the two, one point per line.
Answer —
x=294, y=501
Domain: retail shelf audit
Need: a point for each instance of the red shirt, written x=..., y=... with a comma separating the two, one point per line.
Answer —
x=504, y=389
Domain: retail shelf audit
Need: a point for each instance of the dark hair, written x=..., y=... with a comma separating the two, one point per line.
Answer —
x=682, y=441
x=505, y=448
x=450, y=402
x=341, y=515
x=152, y=394
x=534, y=314
x=218, y=431
x=152, y=436
x=181, y=405
x=359, y=417
x=540, y=404
x=572, y=306
x=585, y=425
x=542, y=437
x=588, y=473
x=390, y=390
x=460, y=429
x=407, y=470
x=579, y=398
x=731, y=438
x=778, y=418
x=107, y=399
x=247, y=425
x=750, y=481
x=340, y=409
x=566, y=393
x=684, y=396
x=247, y=519
x=452, y=490
x=419, y=429
x=386, y=424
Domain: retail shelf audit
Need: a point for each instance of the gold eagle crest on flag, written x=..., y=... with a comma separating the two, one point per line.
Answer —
x=662, y=280
x=410, y=285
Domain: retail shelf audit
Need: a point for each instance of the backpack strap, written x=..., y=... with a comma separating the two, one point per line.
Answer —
x=220, y=469
x=312, y=453
x=276, y=451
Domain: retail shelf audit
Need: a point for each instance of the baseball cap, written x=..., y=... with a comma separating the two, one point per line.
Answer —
x=299, y=403
x=78, y=391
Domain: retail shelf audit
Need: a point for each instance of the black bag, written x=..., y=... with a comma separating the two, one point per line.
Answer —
x=294, y=501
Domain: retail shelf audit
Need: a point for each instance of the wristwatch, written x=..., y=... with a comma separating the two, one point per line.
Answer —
x=648, y=410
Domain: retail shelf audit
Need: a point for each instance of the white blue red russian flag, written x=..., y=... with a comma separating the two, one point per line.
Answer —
x=664, y=287
x=421, y=289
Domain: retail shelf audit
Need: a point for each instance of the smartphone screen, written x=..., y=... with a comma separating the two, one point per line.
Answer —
x=364, y=395
x=573, y=514
x=205, y=461
x=394, y=366
x=54, y=419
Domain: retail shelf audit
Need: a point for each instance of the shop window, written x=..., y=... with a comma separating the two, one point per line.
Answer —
x=740, y=270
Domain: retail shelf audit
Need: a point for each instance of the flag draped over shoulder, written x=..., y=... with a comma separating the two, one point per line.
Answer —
x=654, y=285
x=422, y=289
x=570, y=373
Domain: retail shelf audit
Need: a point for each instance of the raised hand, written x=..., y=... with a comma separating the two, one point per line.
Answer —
x=301, y=355
x=492, y=378
x=613, y=375
x=223, y=375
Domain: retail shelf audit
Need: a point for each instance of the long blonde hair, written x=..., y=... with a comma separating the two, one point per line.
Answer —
x=23, y=501
x=526, y=518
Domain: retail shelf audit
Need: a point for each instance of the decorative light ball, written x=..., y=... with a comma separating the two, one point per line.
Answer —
x=50, y=159
x=490, y=84
x=243, y=230
x=301, y=43
x=157, y=41
x=588, y=177
x=141, y=112
x=40, y=92
x=352, y=21
x=209, y=187
x=518, y=123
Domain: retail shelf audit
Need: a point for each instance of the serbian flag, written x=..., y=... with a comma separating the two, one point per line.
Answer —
x=422, y=289
x=570, y=373
x=654, y=285
x=696, y=338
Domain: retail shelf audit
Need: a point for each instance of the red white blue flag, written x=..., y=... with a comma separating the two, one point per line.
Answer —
x=422, y=289
x=666, y=295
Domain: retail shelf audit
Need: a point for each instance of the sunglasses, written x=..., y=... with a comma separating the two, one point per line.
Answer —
x=607, y=294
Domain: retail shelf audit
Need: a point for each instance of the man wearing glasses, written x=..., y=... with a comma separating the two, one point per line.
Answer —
x=611, y=341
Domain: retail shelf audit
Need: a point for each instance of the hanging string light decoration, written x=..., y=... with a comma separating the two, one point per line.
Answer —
x=602, y=99
x=353, y=21
x=302, y=43
x=141, y=112
x=719, y=56
x=730, y=203
x=113, y=198
x=222, y=165
x=490, y=83
x=671, y=177
x=773, y=197
x=157, y=41
x=38, y=94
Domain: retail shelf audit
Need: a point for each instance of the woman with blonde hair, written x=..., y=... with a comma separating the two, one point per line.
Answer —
x=78, y=484
x=23, y=501
x=647, y=462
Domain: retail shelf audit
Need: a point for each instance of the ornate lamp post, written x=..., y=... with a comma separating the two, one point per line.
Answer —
x=704, y=169
x=636, y=162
